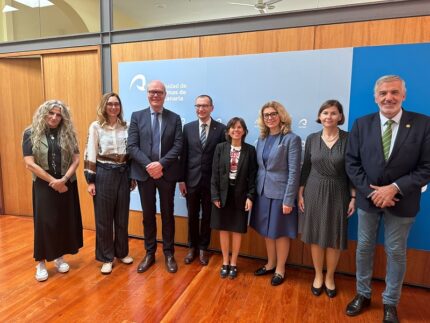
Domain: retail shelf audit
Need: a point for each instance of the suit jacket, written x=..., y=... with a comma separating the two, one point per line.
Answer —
x=245, y=177
x=281, y=176
x=197, y=160
x=408, y=165
x=139, y=144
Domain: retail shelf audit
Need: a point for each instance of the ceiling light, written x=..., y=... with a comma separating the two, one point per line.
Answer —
x=8, y=8
x=35, y=3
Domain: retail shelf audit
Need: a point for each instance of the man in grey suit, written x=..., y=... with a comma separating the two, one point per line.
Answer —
x=388, y=161
x=200, y=139
x=154, y=145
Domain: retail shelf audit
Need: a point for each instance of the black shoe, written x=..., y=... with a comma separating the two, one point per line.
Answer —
x=147, y=262
x=224, y=271
x=204, y=257
x=191, y=255
x=357, y=305
x=390, y=314
x=277, y=279
x=232, y=274
x=171, y=265
x=263, y=271
x=330, y=292
x=317, y=291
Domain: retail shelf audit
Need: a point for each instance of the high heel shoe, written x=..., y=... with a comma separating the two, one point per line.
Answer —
x=317, y=291
x=331, y=292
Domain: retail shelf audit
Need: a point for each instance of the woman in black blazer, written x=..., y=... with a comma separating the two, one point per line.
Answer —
x=232, y=191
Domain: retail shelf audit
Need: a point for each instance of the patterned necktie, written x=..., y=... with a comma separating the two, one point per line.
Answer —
x=203, y=134
x=386, y=138
x=155, y=149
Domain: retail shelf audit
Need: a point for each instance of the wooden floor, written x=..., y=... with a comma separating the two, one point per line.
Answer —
x=193, y=294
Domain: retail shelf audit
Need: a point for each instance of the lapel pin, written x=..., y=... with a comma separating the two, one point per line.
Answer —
x=408, y=125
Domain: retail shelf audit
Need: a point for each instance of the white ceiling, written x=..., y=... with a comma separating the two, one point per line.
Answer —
x=167, y=12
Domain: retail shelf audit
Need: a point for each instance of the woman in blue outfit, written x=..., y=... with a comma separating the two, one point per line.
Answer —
x=275, y=215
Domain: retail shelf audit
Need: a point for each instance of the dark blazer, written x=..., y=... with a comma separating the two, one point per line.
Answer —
x=197, y=160
x=245, y=177
x=408, y=165
x=139, y=144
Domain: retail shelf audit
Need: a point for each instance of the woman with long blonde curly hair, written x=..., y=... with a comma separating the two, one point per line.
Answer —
x=51, y=153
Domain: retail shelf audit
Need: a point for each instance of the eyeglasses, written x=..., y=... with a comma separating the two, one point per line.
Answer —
x=155, y=92
x=272, y=115
x=202, y=106
x=113, y=104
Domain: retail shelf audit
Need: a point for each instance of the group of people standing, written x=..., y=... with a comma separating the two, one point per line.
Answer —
x=378, y=168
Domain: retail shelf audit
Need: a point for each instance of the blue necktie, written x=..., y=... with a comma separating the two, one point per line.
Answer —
x=155, y=149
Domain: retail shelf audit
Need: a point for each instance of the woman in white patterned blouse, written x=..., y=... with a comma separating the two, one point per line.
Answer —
x=106, y=172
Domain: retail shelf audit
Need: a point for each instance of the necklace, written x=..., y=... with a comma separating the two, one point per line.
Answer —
x=52, y=147
x=330, y=138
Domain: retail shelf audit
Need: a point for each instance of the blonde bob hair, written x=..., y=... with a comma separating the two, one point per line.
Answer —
x=284, y=119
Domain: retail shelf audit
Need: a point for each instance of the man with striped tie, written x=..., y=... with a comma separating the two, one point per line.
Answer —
x=388, y=161
x=200, y=139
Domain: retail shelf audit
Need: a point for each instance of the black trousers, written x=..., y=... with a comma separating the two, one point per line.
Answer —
x=199, y=232
x=111, y=208
x=166, y=192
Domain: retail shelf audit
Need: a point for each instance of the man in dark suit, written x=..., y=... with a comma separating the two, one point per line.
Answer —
x=154, y=145
x=388, y=161
x=200, y=139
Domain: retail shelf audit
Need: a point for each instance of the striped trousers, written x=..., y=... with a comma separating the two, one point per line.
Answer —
x=111, y=208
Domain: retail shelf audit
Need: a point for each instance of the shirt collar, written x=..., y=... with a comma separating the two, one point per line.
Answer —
x=152, y=110
x=207, y=122
x=396, y=118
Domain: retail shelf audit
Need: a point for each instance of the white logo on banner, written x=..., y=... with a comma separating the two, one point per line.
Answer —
x=303, y=123
x=136, y=79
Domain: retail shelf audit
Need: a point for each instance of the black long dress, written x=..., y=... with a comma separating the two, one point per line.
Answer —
x=57, y=216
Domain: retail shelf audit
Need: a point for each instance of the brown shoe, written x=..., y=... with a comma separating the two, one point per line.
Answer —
x=147, y=262
x=191, y=255
x=171, y=265
x=204, y=257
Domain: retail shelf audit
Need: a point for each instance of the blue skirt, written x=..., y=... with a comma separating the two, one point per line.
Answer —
x=269, y=221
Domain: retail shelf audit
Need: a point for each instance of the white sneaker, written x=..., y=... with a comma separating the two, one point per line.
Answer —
x=41, y=272
x=62, y=266
x=127, y=260
x=106, y=268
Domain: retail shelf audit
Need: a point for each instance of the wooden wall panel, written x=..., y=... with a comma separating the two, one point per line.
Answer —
x=282, y=40
x=373, y=33
x=152, y=50
x=75, y=79
x=22, y=92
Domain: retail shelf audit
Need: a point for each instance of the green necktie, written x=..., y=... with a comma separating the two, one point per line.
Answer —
x=386, y=138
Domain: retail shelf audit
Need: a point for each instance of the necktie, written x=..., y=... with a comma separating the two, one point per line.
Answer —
x=155, y=149
x=203, y=134
x=386, y=138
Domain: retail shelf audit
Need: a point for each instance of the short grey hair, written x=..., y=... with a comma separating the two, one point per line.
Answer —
x=389, y=78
